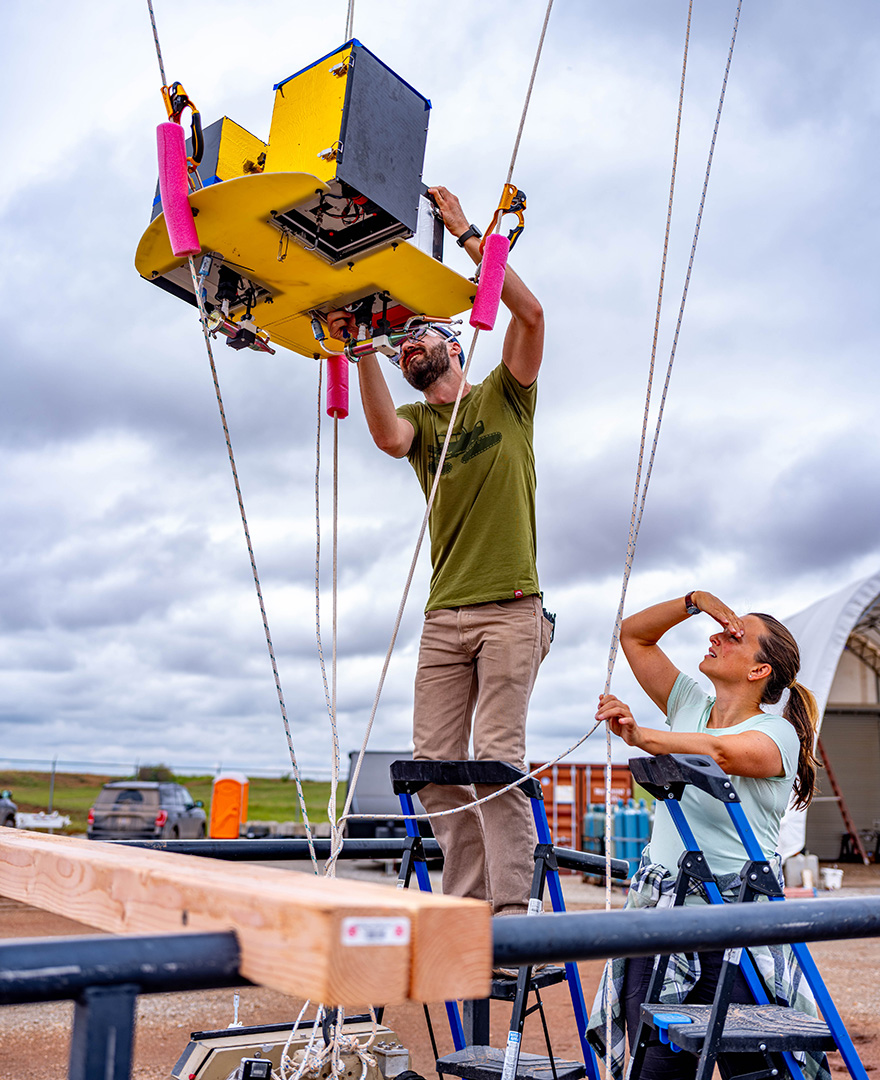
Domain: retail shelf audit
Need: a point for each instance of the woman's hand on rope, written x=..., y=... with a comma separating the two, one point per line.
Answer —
x=720, y=612
x=618, y=715
x=450, y=210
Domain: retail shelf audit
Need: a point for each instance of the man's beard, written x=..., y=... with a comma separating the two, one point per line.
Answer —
x=424, y=369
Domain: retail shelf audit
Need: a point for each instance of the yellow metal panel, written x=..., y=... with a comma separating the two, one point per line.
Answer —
x=237, y=147
x=229, y=216
x=410, y=277
x=234, y=220
x=307, y=118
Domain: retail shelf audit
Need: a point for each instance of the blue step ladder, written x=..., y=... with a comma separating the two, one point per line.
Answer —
x=723, y=1032
x=482, y=1062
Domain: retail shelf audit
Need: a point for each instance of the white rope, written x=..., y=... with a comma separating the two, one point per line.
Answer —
x=525, y=109
x=156, y=41
x=315, y=1059
x=197, y=286
x=635, y=516
x=330, y=868
x=338, y=840
x=329, y=695
x=286, y=1063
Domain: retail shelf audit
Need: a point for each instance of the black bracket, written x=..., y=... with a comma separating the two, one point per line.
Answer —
x=758, y=879
x=408, y=777
x=667, y=775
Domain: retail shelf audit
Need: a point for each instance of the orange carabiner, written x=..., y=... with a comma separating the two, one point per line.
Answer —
x=176, y=100
x=513, y=201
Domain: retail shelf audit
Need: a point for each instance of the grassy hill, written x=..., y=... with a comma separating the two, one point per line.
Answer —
x=269, y=799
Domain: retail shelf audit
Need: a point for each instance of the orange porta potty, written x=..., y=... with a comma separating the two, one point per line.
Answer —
x=229, y=805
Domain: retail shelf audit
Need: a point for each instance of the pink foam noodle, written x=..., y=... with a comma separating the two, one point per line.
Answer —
x=173, y=189
x=337, y=386
x=485, y=309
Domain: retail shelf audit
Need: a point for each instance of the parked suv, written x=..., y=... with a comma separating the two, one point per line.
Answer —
x=145, y=810
x=7, y=809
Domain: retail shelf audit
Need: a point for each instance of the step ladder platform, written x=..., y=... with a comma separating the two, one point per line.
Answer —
x=504, y=987
x=411, y=776
x=487, y=1063
x=746, y=1028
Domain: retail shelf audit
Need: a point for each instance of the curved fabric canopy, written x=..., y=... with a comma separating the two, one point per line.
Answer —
x=822, y=631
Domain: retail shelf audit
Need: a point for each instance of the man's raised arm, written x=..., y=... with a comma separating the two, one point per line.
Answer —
x=524, y=341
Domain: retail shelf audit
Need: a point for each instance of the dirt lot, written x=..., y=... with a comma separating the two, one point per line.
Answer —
x=34, y=1039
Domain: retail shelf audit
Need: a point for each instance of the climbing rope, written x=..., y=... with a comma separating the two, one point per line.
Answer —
x=527, y=102
x=329, y=688
x=337, y=845
x=635, y=513
x=330, y=868
x=198, y=284
x=156, y=42
x=312, y=1061
x=335, y=833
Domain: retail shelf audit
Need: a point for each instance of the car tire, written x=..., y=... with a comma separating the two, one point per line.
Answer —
x=9, y=822
x=175, y=833
x=201, y=834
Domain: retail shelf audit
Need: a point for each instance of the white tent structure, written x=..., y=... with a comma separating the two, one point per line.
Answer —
x=839, y=639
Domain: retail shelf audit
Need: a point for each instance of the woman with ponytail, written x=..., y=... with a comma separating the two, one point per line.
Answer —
x=752, y=660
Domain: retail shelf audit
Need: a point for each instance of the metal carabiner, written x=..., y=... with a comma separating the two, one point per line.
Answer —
x=176, y=100
x=513, y=201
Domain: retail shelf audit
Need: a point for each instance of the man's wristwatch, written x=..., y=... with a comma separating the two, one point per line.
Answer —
x=470, y=231
x=690, y=606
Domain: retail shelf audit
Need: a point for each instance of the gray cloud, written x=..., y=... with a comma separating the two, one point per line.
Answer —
x=128, y=623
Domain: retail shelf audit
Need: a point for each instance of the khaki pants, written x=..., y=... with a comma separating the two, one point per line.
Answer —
x=477, y=667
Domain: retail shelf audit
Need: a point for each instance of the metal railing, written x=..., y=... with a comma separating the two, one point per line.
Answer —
x=104, y=975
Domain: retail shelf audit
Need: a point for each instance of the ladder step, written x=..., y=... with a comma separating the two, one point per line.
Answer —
x=504, y=987
x=412, y=776
x=486, y=1063
x=747, y=1028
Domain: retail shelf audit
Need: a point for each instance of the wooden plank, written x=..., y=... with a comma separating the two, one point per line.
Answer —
x=300, y=934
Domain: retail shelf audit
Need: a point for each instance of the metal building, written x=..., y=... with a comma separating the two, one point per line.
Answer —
x=839, y=638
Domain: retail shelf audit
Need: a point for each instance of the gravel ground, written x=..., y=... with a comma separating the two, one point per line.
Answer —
x=34, y=1039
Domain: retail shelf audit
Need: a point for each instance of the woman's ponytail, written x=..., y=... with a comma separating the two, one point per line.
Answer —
x=802, y=713
x=778, y=648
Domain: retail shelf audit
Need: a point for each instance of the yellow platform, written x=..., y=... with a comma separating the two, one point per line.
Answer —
x=234, y=219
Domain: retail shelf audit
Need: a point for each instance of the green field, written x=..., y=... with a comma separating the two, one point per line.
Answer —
x=272, y=799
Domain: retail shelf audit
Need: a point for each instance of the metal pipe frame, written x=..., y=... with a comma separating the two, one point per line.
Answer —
x=392, y=848
x=653, y=931
x=56, y=969
x=104, y=975
x=281, y=849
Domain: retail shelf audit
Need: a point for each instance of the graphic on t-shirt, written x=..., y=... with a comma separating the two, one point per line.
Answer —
x=464, y=444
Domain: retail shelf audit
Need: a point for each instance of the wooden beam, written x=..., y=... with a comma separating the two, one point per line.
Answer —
x=337, y=941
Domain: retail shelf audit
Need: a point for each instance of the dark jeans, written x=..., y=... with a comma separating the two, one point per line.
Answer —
x=662, y=1063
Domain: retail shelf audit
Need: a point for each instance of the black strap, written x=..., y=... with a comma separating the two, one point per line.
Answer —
x=470, y=231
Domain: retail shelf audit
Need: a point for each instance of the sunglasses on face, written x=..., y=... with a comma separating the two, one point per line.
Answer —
x=417, y=334
x=420, y=331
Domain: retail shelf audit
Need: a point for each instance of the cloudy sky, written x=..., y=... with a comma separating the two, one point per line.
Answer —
x=129, y=627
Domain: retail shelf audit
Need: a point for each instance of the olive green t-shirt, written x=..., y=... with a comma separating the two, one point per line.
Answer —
x=482, y=525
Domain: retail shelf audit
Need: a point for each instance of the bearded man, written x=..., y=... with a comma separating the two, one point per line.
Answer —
x=485, y=632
